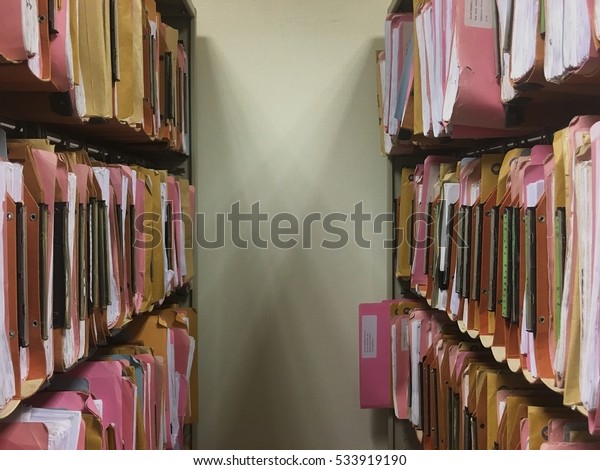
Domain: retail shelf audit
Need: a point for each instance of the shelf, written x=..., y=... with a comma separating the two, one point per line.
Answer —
x=471, y=217
x=41, y=105
x=156, y=155
x=25, y=99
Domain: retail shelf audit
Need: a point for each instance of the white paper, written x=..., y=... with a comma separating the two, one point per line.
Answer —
x=474, y=194
x=508, y=93
x=523, y=344
x=63, y=426
x=451, y=91
x=190, y=358
x=147, y=384
x=448, y=18
x=465, y=385
x=577, y=34
x=387, y=139
x=80, y=101
x=415, y=410
x=173, y=377
x=394, y=366
x=113, y=310
x=531, y=355
x=30, y=27
x=123, y=214
x=181, y=224
x=70, y=354
x=534, y=192
x=524, y=38
x=442, y=299
x=455, y=299
x=404, y=334
x=466, y=170
x=70, y=72
x=387, y=74
x=433, y=54
x=24, y=357
x=560, y=358
x=420, y=28
x=589, y=363
x=555, y=30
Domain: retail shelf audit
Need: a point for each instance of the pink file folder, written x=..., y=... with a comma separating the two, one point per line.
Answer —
x=429, y=179
x=375, y=369
x=13, y=45
x=474, y=100
x=23, y=436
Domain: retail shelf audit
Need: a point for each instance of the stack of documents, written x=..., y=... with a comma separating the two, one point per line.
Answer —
x=376, y=347
x=395, y=77
x=52, y=429
x=507, y=246
x=134, y=395
x=74, y=61
x=476, y=69
x=501, y=244
x=87, y=247
x=167, y=334
x=452, y=390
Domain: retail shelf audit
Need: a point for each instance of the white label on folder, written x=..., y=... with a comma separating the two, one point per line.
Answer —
x=369, y=337
x=404, y=334
x=479, y=13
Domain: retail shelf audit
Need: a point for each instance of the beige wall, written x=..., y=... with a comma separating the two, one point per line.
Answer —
x=286, y=115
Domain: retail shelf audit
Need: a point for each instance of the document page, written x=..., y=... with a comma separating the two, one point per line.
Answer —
x=113, y=311
x=524, y=38
x=30, y=26
x=504, y=7
x=588, y=376
x=415, y=335
x=553, y=49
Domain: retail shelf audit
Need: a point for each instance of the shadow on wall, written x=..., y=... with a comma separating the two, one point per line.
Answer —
x=262, y=384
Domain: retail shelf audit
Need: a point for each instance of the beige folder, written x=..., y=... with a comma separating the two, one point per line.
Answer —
x=94, y=58
x=129, y=88
x=154, y=287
